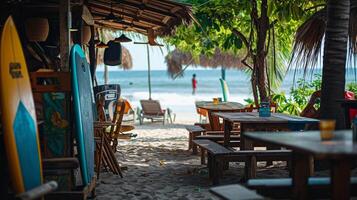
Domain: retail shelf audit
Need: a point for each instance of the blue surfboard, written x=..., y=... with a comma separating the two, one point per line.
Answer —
x=83, y=111
x=225, y=90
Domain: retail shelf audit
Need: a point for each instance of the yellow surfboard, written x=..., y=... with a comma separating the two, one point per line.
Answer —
x=18, y=113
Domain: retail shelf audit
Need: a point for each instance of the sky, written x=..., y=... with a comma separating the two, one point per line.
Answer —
x=139, y=55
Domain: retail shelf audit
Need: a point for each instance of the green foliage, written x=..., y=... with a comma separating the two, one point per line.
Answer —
x=299, y=96
x=352, y=87
x=249, y=102
x=217, y=19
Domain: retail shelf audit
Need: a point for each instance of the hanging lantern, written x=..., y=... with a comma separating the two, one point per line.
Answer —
x=122, y=38
x=86, y=35
x=112, y=55
x=96, y=41
x=37, y=29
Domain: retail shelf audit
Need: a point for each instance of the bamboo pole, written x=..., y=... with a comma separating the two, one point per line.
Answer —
x=149, y=70
x=65, y=25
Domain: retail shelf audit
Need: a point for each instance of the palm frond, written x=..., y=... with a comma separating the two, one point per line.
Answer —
x=308, y=42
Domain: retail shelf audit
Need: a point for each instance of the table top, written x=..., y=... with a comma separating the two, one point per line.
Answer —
x=253, y=117
x=340, y=146
x=221, y=106
x=347, y=102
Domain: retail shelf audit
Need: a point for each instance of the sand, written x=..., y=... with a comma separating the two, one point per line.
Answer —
x=161, y=167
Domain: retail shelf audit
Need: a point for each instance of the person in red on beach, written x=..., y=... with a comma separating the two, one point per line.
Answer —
x=194, y=84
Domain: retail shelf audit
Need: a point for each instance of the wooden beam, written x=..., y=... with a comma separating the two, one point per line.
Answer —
x=124, y=23
x=123, y=26
x=147, y=7
x=144, y=32
x=175, y=9
x=65, y=25
x=100, y=8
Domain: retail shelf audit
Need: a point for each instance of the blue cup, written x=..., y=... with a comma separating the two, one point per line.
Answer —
x=264, y=109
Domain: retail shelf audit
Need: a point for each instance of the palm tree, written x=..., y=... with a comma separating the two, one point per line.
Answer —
x=334, y=60
x=337, y=23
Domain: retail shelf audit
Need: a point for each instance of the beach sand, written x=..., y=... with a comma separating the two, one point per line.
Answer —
x=161, y=167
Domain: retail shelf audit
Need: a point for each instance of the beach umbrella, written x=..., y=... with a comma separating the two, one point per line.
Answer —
x=151, y=42
x=176, y=59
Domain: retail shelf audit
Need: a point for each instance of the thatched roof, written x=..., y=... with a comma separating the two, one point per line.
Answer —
x=176, y=59
x=161, y=16
x=126, y=59
x=139, y=16
x=309, y=38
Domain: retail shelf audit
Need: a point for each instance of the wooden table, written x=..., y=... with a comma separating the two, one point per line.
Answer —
x=220, y=107
x=252, y=121
x=341, y=151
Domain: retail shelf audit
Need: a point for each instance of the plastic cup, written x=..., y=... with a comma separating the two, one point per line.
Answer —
x=215, y=101
x=326, y=129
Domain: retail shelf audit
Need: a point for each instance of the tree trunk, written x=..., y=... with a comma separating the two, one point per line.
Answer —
x=260, y=64
x=335, y=50
x=254, y=89
x=262, y=26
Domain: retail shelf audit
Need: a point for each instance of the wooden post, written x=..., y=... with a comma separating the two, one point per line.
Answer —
x=92, y=55
x=65, y=25
x=149, y=69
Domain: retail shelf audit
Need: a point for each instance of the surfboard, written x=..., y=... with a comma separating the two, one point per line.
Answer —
x=225, y=90
x=83, y=109
x=18, y=114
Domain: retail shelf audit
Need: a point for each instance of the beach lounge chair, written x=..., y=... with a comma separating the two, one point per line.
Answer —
x=310, y=110
x=203, y=113
x=151, y=109
x=129, y=113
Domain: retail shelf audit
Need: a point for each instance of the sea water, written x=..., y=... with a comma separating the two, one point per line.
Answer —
x=177, y=93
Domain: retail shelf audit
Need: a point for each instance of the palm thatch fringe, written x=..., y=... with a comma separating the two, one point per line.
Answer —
x=308, y=40
x=307, y=50
x=176, y=59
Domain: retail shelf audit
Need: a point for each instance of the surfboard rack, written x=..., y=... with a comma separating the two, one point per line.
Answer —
x=52, y=91
x=80, y=193
x=59, y=82
x=38, y=192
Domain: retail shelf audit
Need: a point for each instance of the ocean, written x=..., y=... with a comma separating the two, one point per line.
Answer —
x=177, y=94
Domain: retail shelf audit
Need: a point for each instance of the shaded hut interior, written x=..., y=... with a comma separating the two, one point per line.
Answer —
x=159, y=18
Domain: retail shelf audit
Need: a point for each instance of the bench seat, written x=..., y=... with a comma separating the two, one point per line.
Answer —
x=218, y=155
x=193, y=131
x=234, y=142
x=235, y=192
x=319, y=187
x=217, y=137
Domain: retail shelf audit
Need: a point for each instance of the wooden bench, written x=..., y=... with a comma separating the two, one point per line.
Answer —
x=234, y=142
x=319, y=187
x=235, y=192
x=219, y=155
x=205, y=126
x=193, y=131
